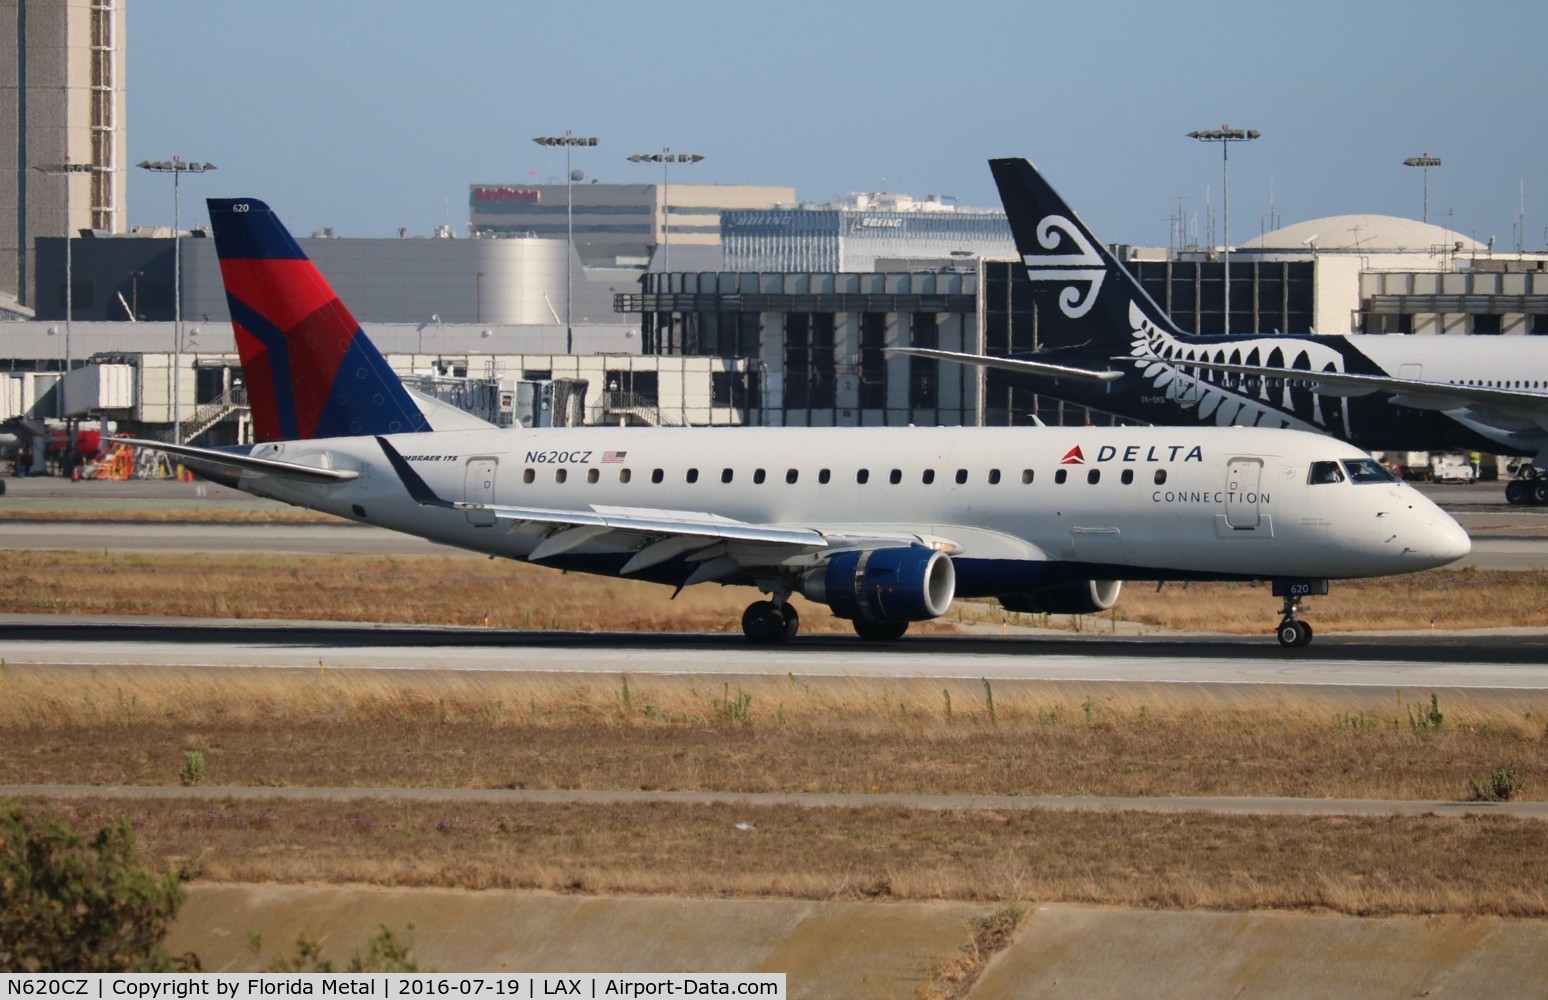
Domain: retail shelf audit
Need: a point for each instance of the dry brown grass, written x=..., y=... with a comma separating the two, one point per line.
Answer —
x=464, y=589
x=1367, y=865
x=365, y=728
x=441, y=590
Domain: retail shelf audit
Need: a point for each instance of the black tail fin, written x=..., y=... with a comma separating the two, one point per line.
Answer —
x=1085, y=297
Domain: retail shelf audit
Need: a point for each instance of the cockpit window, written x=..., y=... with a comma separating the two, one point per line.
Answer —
x=1325, y=472
x=1367, y=470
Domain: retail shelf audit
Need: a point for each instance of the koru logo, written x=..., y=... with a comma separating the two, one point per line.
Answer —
x=1084, y=267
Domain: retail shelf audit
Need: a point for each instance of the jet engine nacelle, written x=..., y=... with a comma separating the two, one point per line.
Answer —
x=1078, y=597
x=905, y=584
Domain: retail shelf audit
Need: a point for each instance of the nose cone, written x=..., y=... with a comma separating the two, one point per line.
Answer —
x=1442, y=541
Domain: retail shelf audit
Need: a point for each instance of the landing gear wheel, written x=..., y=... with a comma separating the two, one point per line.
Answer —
x=880, y=631
x=1540, y=493
x=1293, y=634
x=1517, y=492
x=764, y=623
x=792, y=622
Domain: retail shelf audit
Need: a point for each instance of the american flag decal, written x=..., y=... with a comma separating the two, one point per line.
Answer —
x=613, y=457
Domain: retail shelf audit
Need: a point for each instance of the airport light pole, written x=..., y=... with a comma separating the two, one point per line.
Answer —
x=666, y=158
x=569, y=141
x=1424, y=162
x=177, y=168
x=67, y=168
x=1225, y=135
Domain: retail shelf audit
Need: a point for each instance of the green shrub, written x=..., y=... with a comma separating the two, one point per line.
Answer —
x=1500, y=786
x=76, y=906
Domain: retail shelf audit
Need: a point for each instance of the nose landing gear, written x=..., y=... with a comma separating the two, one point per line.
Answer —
x=1291, y=632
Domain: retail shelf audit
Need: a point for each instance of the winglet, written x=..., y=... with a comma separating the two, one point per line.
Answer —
x=417, y=488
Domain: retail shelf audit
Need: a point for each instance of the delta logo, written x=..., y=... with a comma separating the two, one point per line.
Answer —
x=1137, y=453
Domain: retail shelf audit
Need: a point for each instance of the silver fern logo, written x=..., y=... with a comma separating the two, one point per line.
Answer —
x=1083, y=267
x=1275, y=402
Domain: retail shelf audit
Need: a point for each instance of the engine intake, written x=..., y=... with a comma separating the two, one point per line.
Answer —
x=905, y=584
x=1078, y=597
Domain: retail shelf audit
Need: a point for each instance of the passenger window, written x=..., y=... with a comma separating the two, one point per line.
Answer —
x=592, y=475
x=824, y=475
x=624, y=475
x=725, y=475
x=1127, y=477
x=1160, y=477
x=1026, y=477
x=1325, y=472
x=961, y=476
x=558, y=475
x=927, y=477
x=1061, y=475
x=692, y=476
x=863, y=476
x=994, y=477
x=656, y=475
x=791, y=476
x=1093, y=476
x=759, y=476
x=895, y=477
x=528, y=476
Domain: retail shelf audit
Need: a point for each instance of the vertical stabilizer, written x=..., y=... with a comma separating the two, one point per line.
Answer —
x=310, y=371
x=1086, y=298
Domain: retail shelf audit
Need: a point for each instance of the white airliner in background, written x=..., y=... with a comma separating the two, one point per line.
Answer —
x=883, y=525
x=1106, y=343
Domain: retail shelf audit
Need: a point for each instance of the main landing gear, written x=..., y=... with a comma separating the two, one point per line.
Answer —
x=769, y=622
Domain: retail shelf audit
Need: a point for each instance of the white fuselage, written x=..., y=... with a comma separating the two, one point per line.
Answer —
x=1007, y=504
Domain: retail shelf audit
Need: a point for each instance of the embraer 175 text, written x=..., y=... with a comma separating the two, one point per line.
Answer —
x=1111, y=347
x=883, y=525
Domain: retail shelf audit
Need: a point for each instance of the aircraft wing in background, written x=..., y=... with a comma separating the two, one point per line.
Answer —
x=1420, y=394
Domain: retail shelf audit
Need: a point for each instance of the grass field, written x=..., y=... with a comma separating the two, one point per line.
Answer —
x=146, y=726
x=337, y=728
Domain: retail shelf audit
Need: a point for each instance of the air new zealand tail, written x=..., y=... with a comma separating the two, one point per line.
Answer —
x=1113, y=348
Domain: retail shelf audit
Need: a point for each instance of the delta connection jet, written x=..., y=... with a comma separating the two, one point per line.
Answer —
x=1109, y=346
x=886, y=526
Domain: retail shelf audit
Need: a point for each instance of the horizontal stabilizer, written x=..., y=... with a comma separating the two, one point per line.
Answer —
x=246, y=463
x=1020, y=365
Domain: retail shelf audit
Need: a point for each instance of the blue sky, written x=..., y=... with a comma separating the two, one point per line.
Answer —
x=370, y=116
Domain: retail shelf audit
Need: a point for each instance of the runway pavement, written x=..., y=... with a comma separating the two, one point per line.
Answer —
x=1499, y=659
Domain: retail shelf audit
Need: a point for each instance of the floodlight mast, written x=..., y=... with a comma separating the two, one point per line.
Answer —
x=569, y=141
x=66, y=168
x=666, y=158
x=177, y=168
x=1424, y=162
x=1225, y=135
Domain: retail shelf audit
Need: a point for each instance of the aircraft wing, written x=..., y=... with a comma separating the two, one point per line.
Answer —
x=237, y=462
x=1420, y=394
x=1020, y=365
x=722, y=546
